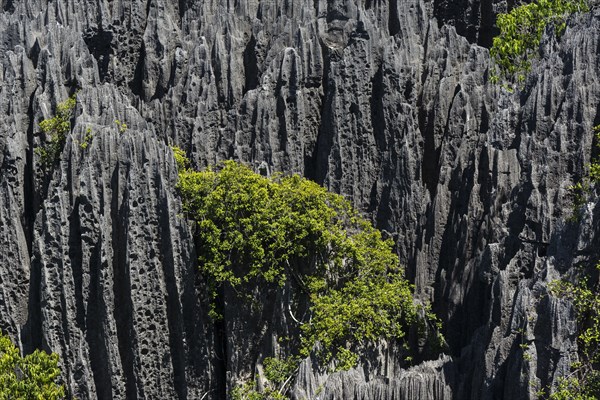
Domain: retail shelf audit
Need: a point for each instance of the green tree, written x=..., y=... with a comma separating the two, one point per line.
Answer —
x=521, y=31
x=263, y=232
x=31, y=377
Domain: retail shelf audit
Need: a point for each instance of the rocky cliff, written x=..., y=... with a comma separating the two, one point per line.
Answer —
x=386, y=102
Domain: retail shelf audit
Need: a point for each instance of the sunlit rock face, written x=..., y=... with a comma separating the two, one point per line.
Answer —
x=386, y=102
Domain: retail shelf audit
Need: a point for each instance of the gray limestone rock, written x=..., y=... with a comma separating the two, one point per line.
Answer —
x=388, y=103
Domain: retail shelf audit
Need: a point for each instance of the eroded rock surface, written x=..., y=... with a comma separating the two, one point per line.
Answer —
x=388, y=103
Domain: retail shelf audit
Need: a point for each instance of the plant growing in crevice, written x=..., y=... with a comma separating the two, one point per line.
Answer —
x=521, y=32
x=121, y=126
x=87, y=139
x=270, y=233
x=55, y=129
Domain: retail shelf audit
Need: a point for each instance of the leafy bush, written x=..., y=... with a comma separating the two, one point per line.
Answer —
x=583, y=382
x=372, y=305
x=521, y=31
x=263, y=232
x=248, y=391
x=277, y=370
x=277, y=373
x=56, y=129
x=31, y=377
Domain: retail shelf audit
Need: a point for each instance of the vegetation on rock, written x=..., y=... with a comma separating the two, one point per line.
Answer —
x=277, y=373
x=87, y=139
x=583, y=383
x=521, y=32
x=583, y=189
x=31, y=377
x=121, y=126
x=56, y=129
x=255, y=231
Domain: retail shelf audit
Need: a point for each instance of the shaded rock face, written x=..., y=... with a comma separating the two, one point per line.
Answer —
x=387, y=103
x=473, y=19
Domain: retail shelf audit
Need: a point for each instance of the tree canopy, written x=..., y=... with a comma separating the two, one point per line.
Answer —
x=258, y=231
x=31, y=377
x=521, y=32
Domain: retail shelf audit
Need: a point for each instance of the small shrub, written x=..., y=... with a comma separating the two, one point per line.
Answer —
x=87, y=139
x=121, y=126
x=56, y=129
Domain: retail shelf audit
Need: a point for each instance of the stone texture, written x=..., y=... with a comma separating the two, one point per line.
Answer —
x=387, y=103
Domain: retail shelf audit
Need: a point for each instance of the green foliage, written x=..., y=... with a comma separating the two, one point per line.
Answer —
x=521, y=31
x=181, y=159
x=31, y=377
x=122, y=126
x=571, y=388
x=594, y=174
x=249, y=391
x=56, y=129
x=583, y=383
x=371, y=305
x=581, y=190
x=87, y=139
x=584, y=380
x=524, y=348
x=263, y=232
x=278, y=371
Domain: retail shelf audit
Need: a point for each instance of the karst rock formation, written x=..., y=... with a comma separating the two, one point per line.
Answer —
x=388, y=102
